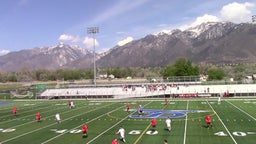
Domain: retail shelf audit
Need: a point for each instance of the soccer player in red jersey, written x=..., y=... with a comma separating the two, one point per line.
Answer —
x=69, y=104
x=208, y=121
x=14, y=111
x=153, y=124
x=115, y=141
x=38, y=117
x=128, y=106
x=85, y=129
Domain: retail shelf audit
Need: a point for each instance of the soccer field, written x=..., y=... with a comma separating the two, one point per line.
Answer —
x=234, y=121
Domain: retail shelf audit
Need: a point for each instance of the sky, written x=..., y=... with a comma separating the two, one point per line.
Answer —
x=26, y=24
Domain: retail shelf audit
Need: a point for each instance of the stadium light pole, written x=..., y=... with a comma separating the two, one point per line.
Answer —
x=93, y=31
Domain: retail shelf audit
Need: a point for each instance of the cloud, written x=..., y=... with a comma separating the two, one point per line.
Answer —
x=89, y=42
x=4, y=52
x=117, y=9
x=205, y=18
x=232, y=12
x=237, y=12
x=199, y=20
x=125, y=41
x=66, y=37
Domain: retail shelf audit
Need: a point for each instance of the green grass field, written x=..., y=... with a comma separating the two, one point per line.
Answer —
x=234, y=122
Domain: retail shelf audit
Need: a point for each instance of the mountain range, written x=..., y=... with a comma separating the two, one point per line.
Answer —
x=212, y=42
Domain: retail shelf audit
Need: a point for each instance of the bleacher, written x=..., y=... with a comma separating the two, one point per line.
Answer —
x=153, y=90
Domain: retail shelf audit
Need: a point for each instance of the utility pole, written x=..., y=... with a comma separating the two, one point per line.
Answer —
x=93, y=31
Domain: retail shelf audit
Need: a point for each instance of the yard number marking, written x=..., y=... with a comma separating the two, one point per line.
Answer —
x=238, y=133
x=137, y=132
x=75, y=131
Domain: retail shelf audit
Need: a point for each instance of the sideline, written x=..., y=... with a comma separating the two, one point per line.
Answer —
x=223, y=124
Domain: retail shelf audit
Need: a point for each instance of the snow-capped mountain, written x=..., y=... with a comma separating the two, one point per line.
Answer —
x=219, y=42
x=54, y=57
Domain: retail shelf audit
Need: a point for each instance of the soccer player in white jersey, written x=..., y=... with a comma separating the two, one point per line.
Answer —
x=121, y=131
x=140, y=110
x=72, y=104
x=219, y=100
x=168, y=122
x=57, y=117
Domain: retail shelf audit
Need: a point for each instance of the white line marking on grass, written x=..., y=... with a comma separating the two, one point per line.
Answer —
x=51, y=124
x=20, y=117
x=80, y=126
x=223, y=124
x=242, y=110
x=109, y=128
x=143, y=131
x=47, y=116
x=186, y=123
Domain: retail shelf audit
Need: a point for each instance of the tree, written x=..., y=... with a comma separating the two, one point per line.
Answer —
x=170, y=70
x=182, y=67
x=11, y=77
x=215, y=74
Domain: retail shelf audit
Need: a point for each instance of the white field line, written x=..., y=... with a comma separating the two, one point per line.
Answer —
x=108, y=129
x=47, y=117
x=222, y=123
x=20, y=107
x=81, y=125
x=112, y=126
x=51, y=124
x=186, y=123
x=10, y=106
x=25, y=116
x=242, y=111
